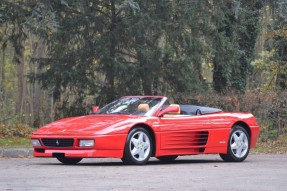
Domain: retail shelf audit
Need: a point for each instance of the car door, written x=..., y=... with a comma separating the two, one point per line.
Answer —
x=183, y=132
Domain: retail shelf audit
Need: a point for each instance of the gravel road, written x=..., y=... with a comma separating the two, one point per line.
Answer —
x=202, y=172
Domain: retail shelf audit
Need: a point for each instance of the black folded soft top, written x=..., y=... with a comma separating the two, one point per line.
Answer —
x=195, y=110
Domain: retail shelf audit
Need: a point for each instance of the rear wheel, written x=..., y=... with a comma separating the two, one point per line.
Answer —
x=238, y=145
x=138, y=147
x=69, y=161
x=167, y=159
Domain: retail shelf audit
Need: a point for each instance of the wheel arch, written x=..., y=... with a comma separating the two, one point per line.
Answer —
x=245, y=126
x=230, y=156
x=151, y=132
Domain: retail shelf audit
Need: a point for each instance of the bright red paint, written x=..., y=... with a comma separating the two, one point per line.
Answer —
x=177, y=135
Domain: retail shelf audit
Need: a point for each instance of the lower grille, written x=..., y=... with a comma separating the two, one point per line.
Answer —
x=58, y=142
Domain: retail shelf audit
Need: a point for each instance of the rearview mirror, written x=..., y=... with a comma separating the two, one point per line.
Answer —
x=169, y=109
x=95, y=109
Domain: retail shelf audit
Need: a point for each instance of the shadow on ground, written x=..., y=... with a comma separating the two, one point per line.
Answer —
x=150, y=163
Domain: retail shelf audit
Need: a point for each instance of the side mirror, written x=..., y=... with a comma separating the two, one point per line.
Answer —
x=95, y=109
x=169, y=109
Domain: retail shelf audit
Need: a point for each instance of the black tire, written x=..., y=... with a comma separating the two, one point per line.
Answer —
x=143, y=147
x=167, y=159
x=237, y=150
x=68, y=160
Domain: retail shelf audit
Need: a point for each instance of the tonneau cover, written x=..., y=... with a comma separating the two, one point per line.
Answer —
x=193, y=110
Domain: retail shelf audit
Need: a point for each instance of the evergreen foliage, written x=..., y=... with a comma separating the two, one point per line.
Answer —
x=99, y=50
x=235, y=41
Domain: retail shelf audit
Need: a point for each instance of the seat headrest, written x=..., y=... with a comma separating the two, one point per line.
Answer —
x=143, y=107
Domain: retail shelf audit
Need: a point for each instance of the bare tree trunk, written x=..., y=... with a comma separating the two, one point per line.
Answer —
x=40, y=53
x=2, y=89
x=20, y=69
x=52, y=111
x=20, y=86
x=2, y=82
x=2, y=71
x=110, y=72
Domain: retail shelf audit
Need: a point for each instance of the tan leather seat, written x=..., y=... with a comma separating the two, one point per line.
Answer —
x=143, y=107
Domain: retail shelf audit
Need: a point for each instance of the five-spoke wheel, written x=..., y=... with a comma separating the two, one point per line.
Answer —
x=238, y=145
x=138, y=147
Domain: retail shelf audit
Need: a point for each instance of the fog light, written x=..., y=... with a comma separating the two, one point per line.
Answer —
x=86, y=143
x=35, y=142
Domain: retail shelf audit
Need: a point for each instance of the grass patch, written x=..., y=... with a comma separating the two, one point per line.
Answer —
x=15, y=143
x=15, y=136
x=278, y=146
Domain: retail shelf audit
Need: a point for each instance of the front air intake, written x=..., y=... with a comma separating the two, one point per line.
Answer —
x=58, y=142
x=203, y=137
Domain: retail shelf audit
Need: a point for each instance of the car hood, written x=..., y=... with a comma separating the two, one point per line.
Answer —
x=89, y=125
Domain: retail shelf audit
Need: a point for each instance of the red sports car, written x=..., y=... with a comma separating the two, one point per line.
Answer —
x=135, y=128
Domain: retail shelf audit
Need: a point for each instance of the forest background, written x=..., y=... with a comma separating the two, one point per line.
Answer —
x=61, y=57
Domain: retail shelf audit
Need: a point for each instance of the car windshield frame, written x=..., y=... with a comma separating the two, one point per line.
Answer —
x=130, y=106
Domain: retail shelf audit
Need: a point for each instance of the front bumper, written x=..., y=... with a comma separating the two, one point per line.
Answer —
x=105, y=146
x=254, y=135
x=93, y=153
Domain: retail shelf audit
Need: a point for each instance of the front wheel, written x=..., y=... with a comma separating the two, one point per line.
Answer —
x=69, y=161
x=238, y=145
x=138, y=147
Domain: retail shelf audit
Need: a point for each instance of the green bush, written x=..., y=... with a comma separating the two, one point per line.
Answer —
x=15, y=130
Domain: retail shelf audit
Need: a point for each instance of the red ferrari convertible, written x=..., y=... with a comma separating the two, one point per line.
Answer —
x=135, y=128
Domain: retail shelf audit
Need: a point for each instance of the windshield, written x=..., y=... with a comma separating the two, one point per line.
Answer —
x=132, y=106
